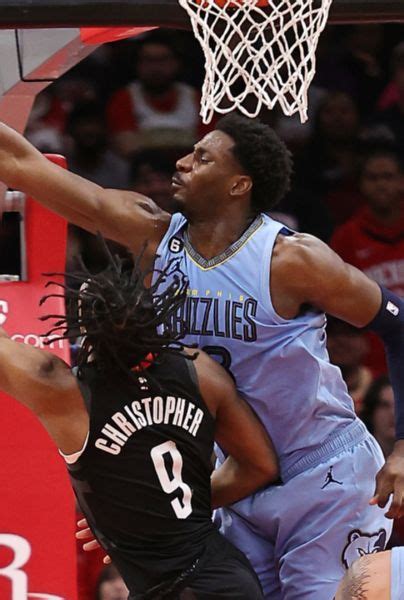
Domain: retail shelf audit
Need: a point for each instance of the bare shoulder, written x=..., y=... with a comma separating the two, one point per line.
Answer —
x=300, y=263
x=300, y=252
x=305, y=271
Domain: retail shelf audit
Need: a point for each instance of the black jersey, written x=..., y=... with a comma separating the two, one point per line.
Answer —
x=143, y=480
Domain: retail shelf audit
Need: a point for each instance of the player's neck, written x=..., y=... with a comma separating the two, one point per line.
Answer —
x=211, y=237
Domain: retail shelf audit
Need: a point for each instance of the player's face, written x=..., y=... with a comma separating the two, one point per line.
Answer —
x=204, y=178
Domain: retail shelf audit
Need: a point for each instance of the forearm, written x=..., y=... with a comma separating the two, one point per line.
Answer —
x=233, y=481
x=14, y=151
x=24, y=168
x=67, y=194
x=389, y=325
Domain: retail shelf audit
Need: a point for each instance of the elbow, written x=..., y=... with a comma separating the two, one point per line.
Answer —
x=271, y=464
x=272, y=472
x=267, y=472
x=47, y=366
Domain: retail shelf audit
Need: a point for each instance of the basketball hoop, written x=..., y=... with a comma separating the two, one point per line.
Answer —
x=257, y=53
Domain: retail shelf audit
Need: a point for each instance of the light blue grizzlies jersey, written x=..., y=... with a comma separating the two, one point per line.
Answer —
x=281, y=366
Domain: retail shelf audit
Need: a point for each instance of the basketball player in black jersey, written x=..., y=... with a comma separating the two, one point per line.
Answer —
x=136, y=425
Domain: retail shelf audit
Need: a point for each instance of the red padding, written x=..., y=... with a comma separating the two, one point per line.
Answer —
x=37, y=517
x=101, y=35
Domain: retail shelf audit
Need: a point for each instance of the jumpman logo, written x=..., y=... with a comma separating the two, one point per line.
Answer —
x=330, y=479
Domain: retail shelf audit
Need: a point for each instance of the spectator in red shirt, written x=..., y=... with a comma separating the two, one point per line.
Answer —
x=373, y=239
x=155, y=110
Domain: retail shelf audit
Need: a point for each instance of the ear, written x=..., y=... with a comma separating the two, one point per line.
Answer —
x=241, y=185
x=354, y=536
x=381, y=540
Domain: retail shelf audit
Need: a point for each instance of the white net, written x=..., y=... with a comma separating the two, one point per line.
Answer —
x=257, y=52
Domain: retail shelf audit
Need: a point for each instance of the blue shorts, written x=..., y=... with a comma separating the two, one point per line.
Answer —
x=397, y=574
x=301, y=536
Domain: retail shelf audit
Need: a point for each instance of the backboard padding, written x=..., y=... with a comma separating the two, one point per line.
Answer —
x=166, y=13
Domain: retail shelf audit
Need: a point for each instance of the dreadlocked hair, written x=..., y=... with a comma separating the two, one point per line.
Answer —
x=125, y=323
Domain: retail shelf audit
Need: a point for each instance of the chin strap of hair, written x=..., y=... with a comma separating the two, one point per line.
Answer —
x=389, y=325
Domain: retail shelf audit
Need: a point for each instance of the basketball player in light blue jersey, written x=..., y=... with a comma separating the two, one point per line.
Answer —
x=258, y=294
x=375, y=577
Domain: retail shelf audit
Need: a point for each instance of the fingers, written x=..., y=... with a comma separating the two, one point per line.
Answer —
x=84, y=534
x=396, y=509
x=89, y=546
x=384, y=487
x=382, y=497
x=82, y=523
x=389, y=480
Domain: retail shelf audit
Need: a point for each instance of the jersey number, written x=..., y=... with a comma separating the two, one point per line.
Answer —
x=183, y=507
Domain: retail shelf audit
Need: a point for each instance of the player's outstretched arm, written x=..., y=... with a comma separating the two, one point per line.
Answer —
x=45, y=384
x=307, y=271
x=126, y=217
x=252, y=462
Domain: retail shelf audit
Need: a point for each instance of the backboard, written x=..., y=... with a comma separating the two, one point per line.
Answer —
x=167, y=13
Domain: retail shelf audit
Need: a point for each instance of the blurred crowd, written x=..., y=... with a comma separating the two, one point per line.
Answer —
x=126, y=114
